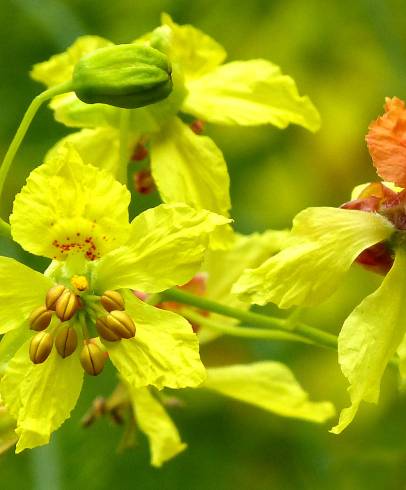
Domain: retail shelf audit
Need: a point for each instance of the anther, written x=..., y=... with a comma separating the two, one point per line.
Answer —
x=121, y=324
x=40, y=318
x=53, y=295
x=66, y=341
x=40, y=347
x=67, y=305
x=92, y=359
x=105, y=331
x=112, y=300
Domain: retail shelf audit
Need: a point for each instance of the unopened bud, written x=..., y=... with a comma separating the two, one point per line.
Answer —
x=67, y=305
x=125, y=75
x=40, y=318
x=92, y=359
x=144, y=182
x=40, y=347
x=121, y=324
x=105, y=331
x=112, y=300
x=53, y=296
x=66, y=341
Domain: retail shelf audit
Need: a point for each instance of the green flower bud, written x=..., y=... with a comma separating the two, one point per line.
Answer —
x=125, y=75
x=112, y=300
x=40, y=318
x=92, y=359
x=66, y=341
x=121, y=324
x=105, y=331
x=53, y=295
x=67, y=305
x=40, y=347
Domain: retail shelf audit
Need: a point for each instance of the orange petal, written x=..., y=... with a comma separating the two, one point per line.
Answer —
x=386, y=140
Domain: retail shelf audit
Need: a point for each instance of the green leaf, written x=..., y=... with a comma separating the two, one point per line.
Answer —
x=323, y=245
x=249, y=93
x=268, y=385
x=370, y=337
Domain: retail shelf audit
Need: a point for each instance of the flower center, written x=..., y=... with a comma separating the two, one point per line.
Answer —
x=69, y=317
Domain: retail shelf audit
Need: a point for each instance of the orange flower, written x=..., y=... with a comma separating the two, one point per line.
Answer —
x=386, y=142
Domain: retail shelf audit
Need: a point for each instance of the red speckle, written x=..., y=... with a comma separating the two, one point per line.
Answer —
x=88, y=248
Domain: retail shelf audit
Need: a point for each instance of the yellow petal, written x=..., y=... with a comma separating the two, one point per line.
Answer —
x=152, y=418
x=324, y=244
x=268, y=385
x=370, y=337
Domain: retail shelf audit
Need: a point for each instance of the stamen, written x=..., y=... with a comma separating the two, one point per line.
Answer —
x=40, y=318
x=40, y=347
x=92, y=358
x=121, y=324
x=112, y=300
x=66, y=341
x=67, y=305
x=53, y=295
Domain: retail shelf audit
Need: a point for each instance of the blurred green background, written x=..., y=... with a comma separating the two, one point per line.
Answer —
x=347, y=56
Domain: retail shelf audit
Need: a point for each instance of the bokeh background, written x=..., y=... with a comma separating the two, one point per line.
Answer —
x=347, y=56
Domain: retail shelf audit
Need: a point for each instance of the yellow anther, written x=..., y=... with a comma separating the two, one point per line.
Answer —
x=40, y=347
x=67, y=305
x=53, y=296
x=40, y=318
x=121, y=324
x=80, y=283
x=66, y=341
x=112, y=300
x=105, y=331
x=92, y=358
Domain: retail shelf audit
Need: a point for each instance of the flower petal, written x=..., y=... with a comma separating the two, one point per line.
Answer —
x=268, y=385
x=152, y=418
x=324, y=244
x=164, y=351
x=190, y=168
x=59, y=68
x=386, y=141
x=40, y=397
x=22, y=290
x=194, y=51
x=249, y=93
x=166, y=247
x=370, y=337
x=68, y=207
x=97, y=147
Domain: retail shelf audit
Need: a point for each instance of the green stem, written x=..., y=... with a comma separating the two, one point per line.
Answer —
x=242, y=331
x=312, y=334
x=25, y=124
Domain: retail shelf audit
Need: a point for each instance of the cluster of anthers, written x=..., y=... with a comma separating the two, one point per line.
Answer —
x=75, y=312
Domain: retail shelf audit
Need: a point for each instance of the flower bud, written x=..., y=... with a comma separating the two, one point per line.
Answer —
x=40, y=347
x=112, y=300
x=53, y=295
x=105, y=331
x=40, y=318
x=67, y=305
x=66, y=341
x=125, y=75
x=92, y=359
x=121, y=324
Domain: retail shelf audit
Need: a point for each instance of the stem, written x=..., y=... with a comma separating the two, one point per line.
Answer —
x=242, y=331
x=312, y=334
x=25, y=124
